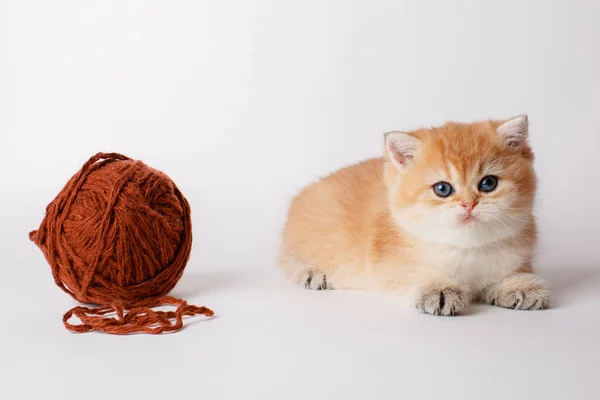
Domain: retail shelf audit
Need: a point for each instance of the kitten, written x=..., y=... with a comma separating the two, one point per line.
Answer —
x=444, y=218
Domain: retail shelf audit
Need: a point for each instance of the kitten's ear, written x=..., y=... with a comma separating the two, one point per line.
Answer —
x=515, y=131
x=401, y=148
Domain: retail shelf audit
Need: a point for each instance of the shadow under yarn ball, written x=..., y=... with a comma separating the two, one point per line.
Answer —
x=119, y=234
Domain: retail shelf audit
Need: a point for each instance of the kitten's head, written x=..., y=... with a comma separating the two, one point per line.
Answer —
x=464, y=185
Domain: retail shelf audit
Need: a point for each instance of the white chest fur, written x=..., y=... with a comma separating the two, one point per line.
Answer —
x=476, y=267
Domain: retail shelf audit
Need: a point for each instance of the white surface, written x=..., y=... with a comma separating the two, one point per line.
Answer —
x=244, y=102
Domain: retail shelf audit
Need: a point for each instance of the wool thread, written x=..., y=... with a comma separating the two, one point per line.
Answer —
x=119, y=235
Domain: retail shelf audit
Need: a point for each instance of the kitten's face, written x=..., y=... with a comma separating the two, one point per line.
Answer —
x=464, y=185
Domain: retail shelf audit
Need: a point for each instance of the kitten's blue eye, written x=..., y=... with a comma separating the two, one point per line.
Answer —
x=488, y=183
x=443, y=189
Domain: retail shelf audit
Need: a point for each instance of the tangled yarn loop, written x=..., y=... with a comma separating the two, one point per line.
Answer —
x=119, y=235
x=139, y=319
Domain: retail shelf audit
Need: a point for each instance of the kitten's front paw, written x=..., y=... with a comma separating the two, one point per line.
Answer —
x=520, y=292
x=315, y=280
x=442, y=300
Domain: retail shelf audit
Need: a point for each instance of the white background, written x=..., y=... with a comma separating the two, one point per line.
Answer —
x=244, y=102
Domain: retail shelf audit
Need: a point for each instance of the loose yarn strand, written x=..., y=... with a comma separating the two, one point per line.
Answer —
x=139, y=318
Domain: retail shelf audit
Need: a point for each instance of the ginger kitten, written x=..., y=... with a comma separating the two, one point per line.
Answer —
x=443, y=218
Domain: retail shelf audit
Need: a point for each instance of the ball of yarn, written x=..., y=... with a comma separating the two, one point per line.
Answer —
x=119, y=235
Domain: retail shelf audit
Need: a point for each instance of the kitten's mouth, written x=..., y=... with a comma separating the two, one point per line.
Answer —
x=469, y=219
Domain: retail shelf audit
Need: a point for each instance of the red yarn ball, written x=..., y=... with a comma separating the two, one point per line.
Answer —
x=118, y=233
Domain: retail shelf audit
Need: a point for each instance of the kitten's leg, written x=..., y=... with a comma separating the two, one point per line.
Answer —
x=431, y=291
x=304, y=274
x=521, y=291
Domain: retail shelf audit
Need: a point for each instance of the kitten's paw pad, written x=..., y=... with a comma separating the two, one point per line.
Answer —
x=446, y=300
x=316, y=281
x=521, y=292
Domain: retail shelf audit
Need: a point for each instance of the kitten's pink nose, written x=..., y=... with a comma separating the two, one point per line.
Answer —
x=469, y=205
